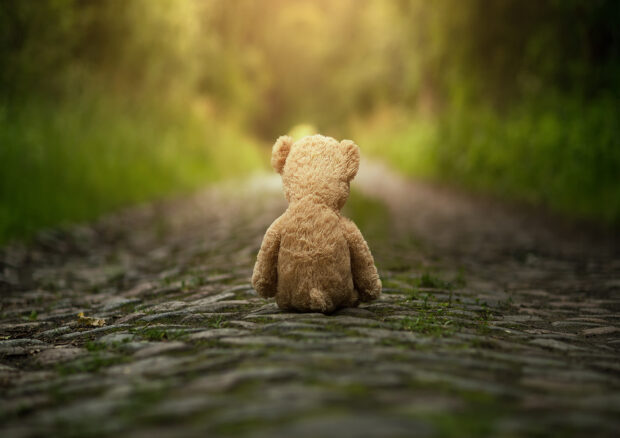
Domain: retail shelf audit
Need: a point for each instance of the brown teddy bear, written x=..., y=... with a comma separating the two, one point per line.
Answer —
x=313, y=259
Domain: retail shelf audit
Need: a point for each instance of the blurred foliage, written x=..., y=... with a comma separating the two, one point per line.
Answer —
x=275, y=63
x=519, y=99
x=516, y=98
x=59, y=48
x=75, y=161
x=558, y=153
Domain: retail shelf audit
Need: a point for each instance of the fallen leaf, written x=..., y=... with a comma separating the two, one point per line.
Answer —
x=88, y=321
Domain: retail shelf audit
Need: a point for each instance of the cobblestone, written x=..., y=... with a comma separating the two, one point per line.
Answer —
x=492, y=322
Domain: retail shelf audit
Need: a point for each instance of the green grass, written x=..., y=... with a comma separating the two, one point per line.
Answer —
x=559, y=153
x=429, y=280
x=70, y=162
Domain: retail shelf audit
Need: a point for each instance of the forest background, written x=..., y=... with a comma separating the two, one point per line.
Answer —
x=108, y=103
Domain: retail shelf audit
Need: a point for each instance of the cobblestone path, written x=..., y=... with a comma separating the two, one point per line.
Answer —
x=492, y=322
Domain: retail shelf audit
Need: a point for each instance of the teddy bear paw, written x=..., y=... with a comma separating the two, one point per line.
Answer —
x=373, y=292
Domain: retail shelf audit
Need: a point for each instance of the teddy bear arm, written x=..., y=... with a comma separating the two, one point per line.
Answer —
x=365, y=276
x=265, y=275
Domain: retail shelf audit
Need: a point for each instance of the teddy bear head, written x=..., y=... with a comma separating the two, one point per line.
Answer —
x=316, y=166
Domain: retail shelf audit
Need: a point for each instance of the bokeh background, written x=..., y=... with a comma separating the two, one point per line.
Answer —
x=112, y=102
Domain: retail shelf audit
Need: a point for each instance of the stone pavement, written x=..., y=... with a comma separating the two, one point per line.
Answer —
x=493, y=322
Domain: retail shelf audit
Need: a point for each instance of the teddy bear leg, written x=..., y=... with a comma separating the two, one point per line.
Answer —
x=320, y=301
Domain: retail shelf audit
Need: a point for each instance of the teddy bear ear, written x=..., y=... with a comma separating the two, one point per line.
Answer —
x=280, y=151
x=352, y=158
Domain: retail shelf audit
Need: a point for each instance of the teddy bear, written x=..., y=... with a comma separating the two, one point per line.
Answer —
x=313, y=259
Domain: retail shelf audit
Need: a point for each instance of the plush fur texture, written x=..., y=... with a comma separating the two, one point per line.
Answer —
x=313, y=259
